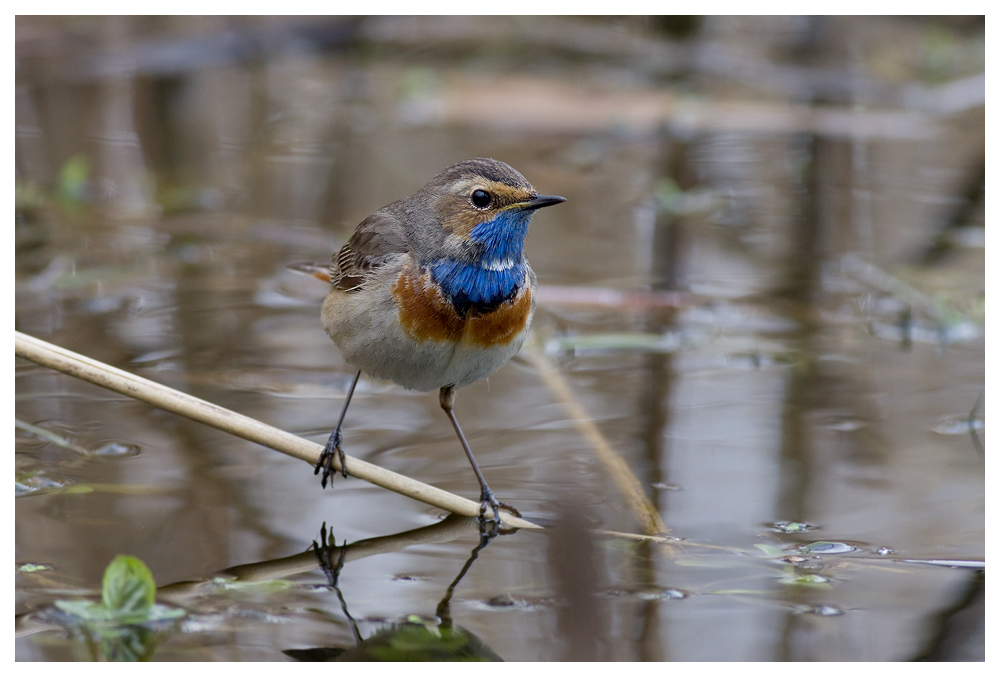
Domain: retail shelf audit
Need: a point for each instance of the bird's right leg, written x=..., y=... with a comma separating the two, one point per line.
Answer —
x=332, y=447
x=489, y=506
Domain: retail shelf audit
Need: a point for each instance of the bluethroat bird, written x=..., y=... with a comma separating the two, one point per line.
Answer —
x=434, y=292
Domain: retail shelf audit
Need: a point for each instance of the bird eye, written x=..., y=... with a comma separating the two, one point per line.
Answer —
x=481, y=198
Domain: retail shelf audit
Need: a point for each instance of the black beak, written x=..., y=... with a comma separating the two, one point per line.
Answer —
x=539, y=201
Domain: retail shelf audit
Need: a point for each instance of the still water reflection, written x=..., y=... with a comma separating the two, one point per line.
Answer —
x=765, y=291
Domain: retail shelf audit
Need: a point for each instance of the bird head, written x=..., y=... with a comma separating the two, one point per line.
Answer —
x=484, y=207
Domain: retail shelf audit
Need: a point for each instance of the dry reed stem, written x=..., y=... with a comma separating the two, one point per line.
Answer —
x=174, y=401
x=626, y=481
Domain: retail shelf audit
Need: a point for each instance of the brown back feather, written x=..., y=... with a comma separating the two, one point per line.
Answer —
x=377, y=240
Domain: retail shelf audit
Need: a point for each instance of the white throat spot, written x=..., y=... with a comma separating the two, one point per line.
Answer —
x=504, y=264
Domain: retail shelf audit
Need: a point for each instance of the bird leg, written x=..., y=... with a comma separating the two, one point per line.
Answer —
x=487, y=501
x=325, y=462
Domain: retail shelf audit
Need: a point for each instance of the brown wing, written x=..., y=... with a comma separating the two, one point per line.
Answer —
x=377, y=239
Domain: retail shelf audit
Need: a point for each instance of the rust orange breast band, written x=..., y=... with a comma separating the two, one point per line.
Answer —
x=426, y=315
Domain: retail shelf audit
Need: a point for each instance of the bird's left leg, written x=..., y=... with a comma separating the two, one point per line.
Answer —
x=332, y=447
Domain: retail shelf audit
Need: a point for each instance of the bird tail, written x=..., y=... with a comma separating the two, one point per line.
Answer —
x=321, y=271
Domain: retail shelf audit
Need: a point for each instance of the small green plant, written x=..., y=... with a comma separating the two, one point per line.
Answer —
x=127, y=624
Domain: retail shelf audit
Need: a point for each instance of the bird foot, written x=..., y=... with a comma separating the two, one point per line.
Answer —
x=489, y=507
x=325, y=462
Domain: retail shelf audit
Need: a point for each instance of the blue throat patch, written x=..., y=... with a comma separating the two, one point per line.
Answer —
x=497, y=275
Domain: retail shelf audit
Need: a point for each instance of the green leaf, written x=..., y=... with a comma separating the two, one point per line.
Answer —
x=159, y=613
x=128, y=586
x=415, y=642
x=73, y=176
x=806, y=580
x=29, y=568
x=769, y=550
x=127, y=625
x=83, y=609
x=254, y=587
